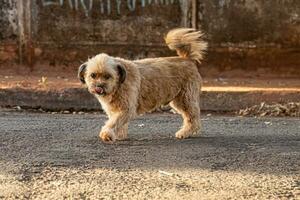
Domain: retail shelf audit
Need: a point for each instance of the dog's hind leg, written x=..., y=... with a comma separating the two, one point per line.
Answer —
x=187, y=104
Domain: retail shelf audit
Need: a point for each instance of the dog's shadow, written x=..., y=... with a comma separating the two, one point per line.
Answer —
x=258, y=154
x=153, y=141
x=150, y=139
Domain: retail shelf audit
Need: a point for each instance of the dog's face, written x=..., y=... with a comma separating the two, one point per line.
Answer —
x=102, y=74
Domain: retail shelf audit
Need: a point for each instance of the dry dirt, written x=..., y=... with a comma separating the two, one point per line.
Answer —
x=60, y=76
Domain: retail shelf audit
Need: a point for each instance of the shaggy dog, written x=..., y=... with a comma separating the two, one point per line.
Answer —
x=127, y=88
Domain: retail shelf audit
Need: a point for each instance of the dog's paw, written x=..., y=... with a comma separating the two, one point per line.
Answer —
x=182, y=135
x=107, y=135
x=196, y=134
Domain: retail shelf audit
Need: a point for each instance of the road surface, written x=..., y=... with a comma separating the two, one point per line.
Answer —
x=56, y=156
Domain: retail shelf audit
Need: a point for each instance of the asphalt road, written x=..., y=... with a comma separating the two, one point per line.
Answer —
x=44, y=156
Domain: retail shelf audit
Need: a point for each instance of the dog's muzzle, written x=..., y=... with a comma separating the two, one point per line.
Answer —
x=99, y=89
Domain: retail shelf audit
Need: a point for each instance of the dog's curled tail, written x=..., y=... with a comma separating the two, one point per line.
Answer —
x=188, y=43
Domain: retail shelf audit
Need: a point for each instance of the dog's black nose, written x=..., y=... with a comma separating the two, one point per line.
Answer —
x=101, y=85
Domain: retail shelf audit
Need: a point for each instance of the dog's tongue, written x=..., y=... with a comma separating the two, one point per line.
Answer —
x=99, y=90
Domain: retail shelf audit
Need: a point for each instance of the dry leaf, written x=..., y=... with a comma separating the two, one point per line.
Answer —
x=291, y=109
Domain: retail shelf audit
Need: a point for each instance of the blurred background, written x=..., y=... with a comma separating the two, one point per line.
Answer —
x=256, y=36
x=252, y=43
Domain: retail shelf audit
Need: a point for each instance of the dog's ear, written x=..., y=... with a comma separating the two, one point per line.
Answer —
x=81, y=72
x=122, y=73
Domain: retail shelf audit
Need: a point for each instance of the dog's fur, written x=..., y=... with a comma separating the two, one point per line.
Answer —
x=126, y=88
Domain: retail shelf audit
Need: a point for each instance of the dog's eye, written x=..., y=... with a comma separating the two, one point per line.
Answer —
x=93, y=75
x=107, y=76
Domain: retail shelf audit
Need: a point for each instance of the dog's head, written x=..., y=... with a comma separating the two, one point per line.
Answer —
x=102, y=74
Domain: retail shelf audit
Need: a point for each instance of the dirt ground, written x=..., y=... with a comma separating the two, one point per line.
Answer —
x=59, y=156
x=49, y=77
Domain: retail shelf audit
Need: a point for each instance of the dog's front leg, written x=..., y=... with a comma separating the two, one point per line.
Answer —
x=122, y=133
x=116, y=127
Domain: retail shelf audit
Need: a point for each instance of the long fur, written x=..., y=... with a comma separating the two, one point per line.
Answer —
x=148, y=84
x=187, y=42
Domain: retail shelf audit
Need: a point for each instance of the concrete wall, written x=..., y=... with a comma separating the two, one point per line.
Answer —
x=81, y=28
x=68, y=31
x=241, y=33
x=256, y=23
x=8, y=31
x=249, y=34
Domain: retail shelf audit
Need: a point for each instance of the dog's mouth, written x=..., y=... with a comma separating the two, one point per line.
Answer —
x=99, y=91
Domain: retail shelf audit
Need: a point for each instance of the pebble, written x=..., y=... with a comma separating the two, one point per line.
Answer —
x=141, y=125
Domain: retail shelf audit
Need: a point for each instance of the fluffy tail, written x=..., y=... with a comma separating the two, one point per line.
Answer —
x=187, y=42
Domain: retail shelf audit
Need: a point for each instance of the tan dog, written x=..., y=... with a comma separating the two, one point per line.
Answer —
x=126, y=88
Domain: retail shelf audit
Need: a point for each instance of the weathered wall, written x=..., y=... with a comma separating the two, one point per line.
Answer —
x=241, y=33
x=84, y=28
x=67, y=31
x=252, y=33
x=8, y=30
x=256, y=22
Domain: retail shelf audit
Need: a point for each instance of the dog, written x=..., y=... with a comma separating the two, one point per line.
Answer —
x=127, y=88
